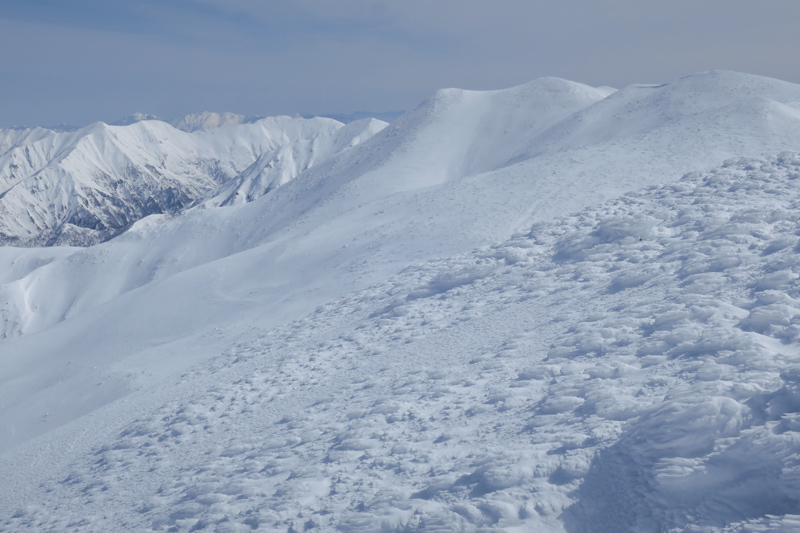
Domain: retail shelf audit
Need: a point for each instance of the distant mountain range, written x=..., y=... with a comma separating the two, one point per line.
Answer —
x=84, y=186
x=209, y=120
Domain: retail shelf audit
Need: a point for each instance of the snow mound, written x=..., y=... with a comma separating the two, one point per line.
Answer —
x=457, y=133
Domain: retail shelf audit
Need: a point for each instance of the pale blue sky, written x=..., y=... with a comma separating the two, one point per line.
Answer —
x=79, y=61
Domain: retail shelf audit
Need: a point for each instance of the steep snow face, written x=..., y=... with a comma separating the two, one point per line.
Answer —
x=631, y=367
x=458, y=133
x=277, y=167
x=87, y=185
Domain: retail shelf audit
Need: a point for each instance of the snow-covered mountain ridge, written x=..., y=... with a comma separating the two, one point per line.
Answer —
x=85, y=186
x=504, y=311
x=206, y=120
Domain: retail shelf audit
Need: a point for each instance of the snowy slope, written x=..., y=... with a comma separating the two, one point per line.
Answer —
x=277, y=167
x=457, y=133
x=629, y=368
x=466, y=169
x=348, y=222
x=308, y=220
x=87, y=185
x=748, y=109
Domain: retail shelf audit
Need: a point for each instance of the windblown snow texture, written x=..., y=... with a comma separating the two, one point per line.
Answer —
x=630, y=368
x=425, y=333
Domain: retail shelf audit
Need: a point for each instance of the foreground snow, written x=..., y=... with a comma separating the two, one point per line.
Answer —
x=407, y=334
x=633, y=367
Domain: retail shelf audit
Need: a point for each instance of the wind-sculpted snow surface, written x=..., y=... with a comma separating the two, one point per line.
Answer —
x=88, y=185
x=634, y=367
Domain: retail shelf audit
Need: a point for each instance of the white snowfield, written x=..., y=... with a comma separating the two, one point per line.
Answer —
x=549, y=308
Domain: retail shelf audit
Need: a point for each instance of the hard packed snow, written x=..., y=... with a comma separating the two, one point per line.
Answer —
x=588, y=326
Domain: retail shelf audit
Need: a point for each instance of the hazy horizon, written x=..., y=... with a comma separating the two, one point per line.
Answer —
x=83, y=61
